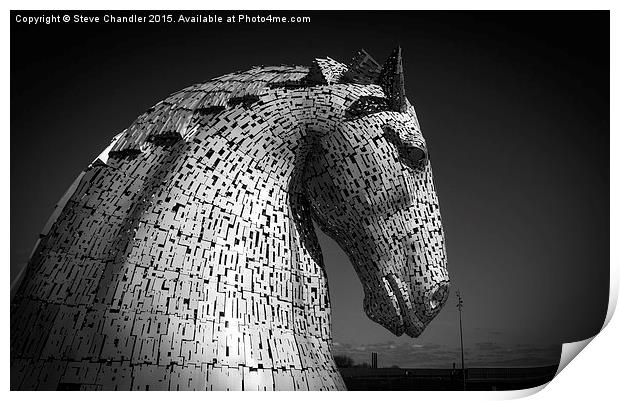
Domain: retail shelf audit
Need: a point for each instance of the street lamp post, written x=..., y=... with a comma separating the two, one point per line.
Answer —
x=460, y=306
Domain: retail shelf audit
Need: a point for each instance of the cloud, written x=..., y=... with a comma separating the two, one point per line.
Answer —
x=487, y=346
x=480, y=354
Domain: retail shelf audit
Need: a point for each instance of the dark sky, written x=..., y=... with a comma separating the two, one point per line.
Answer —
x=514, y=107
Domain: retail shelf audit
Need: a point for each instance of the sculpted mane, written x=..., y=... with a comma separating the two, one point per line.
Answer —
x=171, y=118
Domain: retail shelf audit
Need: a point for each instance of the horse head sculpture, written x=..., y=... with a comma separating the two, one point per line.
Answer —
x=371, y=187
x=184, y=256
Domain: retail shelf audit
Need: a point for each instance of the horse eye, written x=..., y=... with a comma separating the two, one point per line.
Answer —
x=411, y=152
x=366, y=105
x=415, y=158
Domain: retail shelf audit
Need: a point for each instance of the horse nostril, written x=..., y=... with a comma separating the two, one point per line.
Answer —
x=439, y=296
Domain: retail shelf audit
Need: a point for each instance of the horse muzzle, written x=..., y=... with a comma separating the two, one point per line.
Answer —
x=414, y=312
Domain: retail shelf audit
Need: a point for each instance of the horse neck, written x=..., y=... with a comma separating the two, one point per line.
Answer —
x=204, y=258
x=269, y=259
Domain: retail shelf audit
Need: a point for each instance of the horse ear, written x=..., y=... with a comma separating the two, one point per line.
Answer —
x=363, y=69
x=325, y=71
x=392, y=80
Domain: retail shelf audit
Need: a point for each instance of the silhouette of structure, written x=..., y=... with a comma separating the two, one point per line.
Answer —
x=184, y=256
x=478, y=379
x=459, y=305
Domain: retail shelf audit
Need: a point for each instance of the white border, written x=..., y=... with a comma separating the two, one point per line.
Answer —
x=313, y=5
x=592, y=375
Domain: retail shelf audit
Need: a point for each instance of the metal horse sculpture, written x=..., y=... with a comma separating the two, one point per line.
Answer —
x=184, y=257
